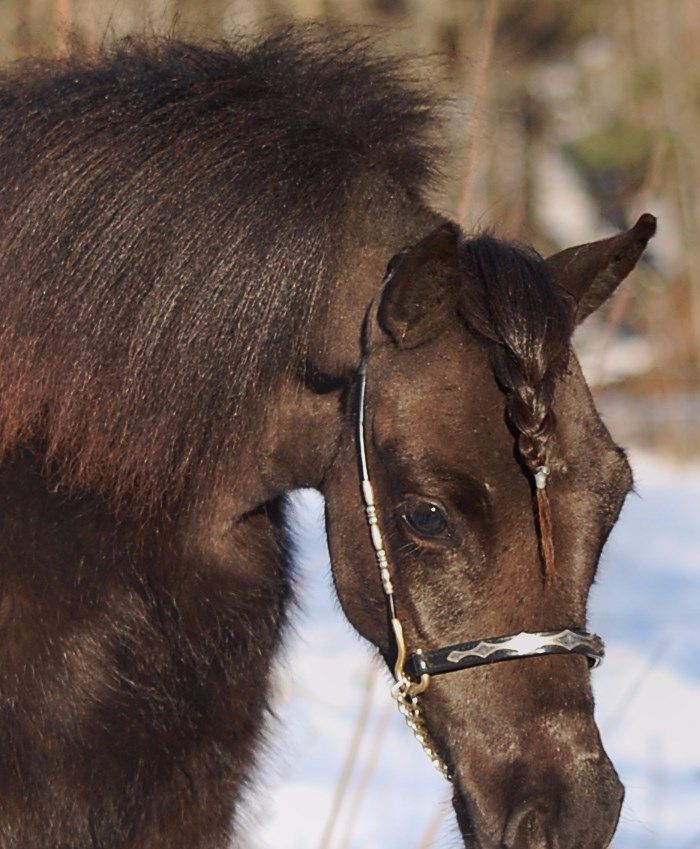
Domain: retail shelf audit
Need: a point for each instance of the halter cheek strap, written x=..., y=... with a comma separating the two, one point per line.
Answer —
x=413, y=671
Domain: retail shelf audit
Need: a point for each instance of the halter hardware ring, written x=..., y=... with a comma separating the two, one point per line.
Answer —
x=410, y=687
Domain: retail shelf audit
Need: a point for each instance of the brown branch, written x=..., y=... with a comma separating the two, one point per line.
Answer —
x=483, y=67
x=23, y=37
x=62, y=22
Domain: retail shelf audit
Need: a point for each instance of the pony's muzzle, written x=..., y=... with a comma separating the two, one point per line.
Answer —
x=559, y=820
x=543, y=810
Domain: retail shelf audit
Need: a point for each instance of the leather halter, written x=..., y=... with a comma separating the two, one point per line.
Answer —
x=413, y=671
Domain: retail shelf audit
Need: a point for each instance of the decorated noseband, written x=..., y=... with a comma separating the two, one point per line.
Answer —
x=413, y=671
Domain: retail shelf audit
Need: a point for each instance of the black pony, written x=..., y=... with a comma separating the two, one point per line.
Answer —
x=193, y=239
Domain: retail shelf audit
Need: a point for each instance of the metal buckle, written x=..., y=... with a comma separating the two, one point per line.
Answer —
x=413, y=688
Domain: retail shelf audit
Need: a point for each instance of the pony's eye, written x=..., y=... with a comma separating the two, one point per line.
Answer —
x=426, y=518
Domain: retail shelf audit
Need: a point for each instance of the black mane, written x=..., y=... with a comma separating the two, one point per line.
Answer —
x=513, y=302
x=170, y=215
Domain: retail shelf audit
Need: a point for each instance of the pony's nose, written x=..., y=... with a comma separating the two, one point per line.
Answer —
x=531, y=825
x=554, y=822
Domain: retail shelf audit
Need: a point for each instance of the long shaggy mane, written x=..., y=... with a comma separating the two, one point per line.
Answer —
x=169, y=218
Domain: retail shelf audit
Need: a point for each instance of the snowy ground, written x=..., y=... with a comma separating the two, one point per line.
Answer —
x=646, y=604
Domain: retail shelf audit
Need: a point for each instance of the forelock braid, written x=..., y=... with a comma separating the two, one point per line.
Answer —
x=511, y=300
x=529, y=404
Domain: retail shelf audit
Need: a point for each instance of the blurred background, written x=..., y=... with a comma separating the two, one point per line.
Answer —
x=569, y=120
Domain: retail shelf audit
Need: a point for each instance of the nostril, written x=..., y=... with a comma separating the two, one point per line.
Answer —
x=527, y=827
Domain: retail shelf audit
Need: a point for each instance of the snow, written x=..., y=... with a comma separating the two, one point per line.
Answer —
x=646, y=603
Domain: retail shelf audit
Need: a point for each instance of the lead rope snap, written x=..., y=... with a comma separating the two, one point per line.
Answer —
x=406, y=693
x=409, y=708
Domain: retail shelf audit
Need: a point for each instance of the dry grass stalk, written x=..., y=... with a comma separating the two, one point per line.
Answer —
x=365, y=777
x=350, y=759
x=431, y=832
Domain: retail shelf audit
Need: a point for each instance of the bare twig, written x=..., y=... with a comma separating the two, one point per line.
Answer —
x=350, y=759
x=684, y=128
x=480, y=94
x=431, y=832
x=23, y=37
x=622, y=297
x=62, y=22
x=366, y=775
x=618, y=308
x=612, y=722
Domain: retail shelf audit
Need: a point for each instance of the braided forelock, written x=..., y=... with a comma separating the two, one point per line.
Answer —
x=510, y=299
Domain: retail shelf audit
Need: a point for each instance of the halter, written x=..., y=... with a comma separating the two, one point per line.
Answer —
x=414, y=671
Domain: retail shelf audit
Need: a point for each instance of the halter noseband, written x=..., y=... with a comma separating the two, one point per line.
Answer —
x=413, y=671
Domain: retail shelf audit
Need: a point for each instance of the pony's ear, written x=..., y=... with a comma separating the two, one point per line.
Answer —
x=590, y=273
x=421, y=287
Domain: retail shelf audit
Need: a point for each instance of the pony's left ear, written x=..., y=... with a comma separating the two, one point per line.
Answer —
x=421, y=287
x=590, y=273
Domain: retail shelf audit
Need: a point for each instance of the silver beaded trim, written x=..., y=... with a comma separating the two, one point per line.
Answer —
x=376, y=535
x=408, y=704
x=368, y=496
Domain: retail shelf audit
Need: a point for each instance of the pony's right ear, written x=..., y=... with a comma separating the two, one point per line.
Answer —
x=589, y=274
x=421, y=288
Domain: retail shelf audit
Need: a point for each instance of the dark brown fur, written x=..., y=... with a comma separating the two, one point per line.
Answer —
x=192, y=238
x=150, y=298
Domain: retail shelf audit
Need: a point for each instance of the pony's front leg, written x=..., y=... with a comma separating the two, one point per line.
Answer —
x=134, y=680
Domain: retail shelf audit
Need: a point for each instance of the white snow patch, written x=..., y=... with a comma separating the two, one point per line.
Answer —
x=647, y=605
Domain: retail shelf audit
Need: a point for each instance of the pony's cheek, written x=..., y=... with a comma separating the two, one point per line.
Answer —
x=353, y=562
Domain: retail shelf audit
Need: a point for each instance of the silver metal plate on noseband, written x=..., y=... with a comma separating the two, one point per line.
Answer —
x=413, y=672
x=512, y=647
